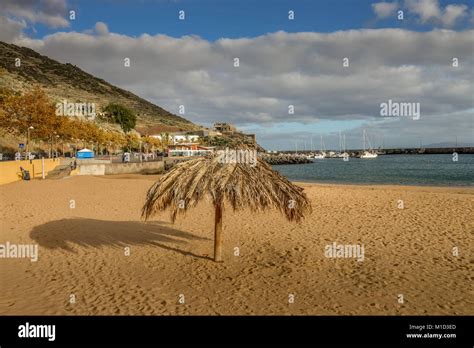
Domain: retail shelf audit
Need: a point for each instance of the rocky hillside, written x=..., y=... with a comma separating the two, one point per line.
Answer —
x=66, y=81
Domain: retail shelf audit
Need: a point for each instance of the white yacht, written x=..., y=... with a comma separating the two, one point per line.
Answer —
x=368, y=153
x=322, y=154
x=343, y=153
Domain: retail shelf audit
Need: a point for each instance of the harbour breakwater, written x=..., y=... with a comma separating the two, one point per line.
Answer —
x=276, y=159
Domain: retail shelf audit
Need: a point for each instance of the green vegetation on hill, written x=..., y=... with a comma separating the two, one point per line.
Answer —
x=122, y=116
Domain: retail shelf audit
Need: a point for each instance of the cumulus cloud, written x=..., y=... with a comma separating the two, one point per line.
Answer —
x=426, y=9
x=16, y=15
x=49, y=12
x=453, y=13
x=430, y=11
x=101, y=28
x=11, y=29
x=384, y=9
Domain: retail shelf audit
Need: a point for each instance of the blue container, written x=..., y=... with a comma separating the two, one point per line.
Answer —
x=85, y=153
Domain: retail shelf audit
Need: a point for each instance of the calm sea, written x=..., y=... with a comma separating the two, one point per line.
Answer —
x=433, y=170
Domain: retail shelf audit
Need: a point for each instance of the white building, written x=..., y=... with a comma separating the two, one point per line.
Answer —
x=176, y=138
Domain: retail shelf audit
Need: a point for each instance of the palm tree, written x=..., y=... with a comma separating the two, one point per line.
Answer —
x=258, y=187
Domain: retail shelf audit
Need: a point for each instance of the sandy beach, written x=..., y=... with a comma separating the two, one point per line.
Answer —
x=84, y=225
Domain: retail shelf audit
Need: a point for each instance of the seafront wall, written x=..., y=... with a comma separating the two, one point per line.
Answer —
x=89, y=169
x=284, y=159
x=107, y=168
x=10, y=170
x=135, y=168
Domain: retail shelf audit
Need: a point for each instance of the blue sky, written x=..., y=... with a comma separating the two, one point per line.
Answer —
x=283, y=61
x=214, y=19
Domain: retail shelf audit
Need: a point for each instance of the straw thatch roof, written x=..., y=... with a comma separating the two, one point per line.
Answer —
x=241, y=185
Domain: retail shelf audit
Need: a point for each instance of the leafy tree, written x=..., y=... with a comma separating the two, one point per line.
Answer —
x=34, y=109
x=132, y=142
x=152, y=143
x=122, y=116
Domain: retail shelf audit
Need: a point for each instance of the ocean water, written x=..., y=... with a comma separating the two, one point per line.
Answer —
x=430, y=170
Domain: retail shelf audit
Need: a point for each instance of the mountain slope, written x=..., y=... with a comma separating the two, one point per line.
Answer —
x=66, y=81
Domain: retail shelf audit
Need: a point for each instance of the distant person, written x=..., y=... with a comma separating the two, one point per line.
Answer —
x=126, y=157
x=25, y=175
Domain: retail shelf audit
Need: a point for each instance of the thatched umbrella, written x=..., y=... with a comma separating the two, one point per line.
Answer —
x=257, y=187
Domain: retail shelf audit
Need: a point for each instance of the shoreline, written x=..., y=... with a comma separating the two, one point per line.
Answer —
x=316, y=183
x=154, y=177
x=383, y=186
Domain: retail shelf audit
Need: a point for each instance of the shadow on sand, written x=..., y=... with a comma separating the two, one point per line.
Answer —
x=60, y=234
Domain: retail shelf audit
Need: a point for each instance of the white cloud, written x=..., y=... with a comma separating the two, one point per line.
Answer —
x=11, y=29
x=430, y=11
x=426, y=9
x=101, y=28
x=384, y=9
x=49, y=12
x=453, y=13
x=17, y=15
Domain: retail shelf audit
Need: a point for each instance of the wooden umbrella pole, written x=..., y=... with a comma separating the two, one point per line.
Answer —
x=218, y=233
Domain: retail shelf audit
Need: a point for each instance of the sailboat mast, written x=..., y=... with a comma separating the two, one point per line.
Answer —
x=363, y=137
x=340, y=144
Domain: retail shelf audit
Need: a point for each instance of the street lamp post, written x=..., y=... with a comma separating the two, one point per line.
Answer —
x=140, y=143
x=28, y=139
x=75, y=147
x=56, y=145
